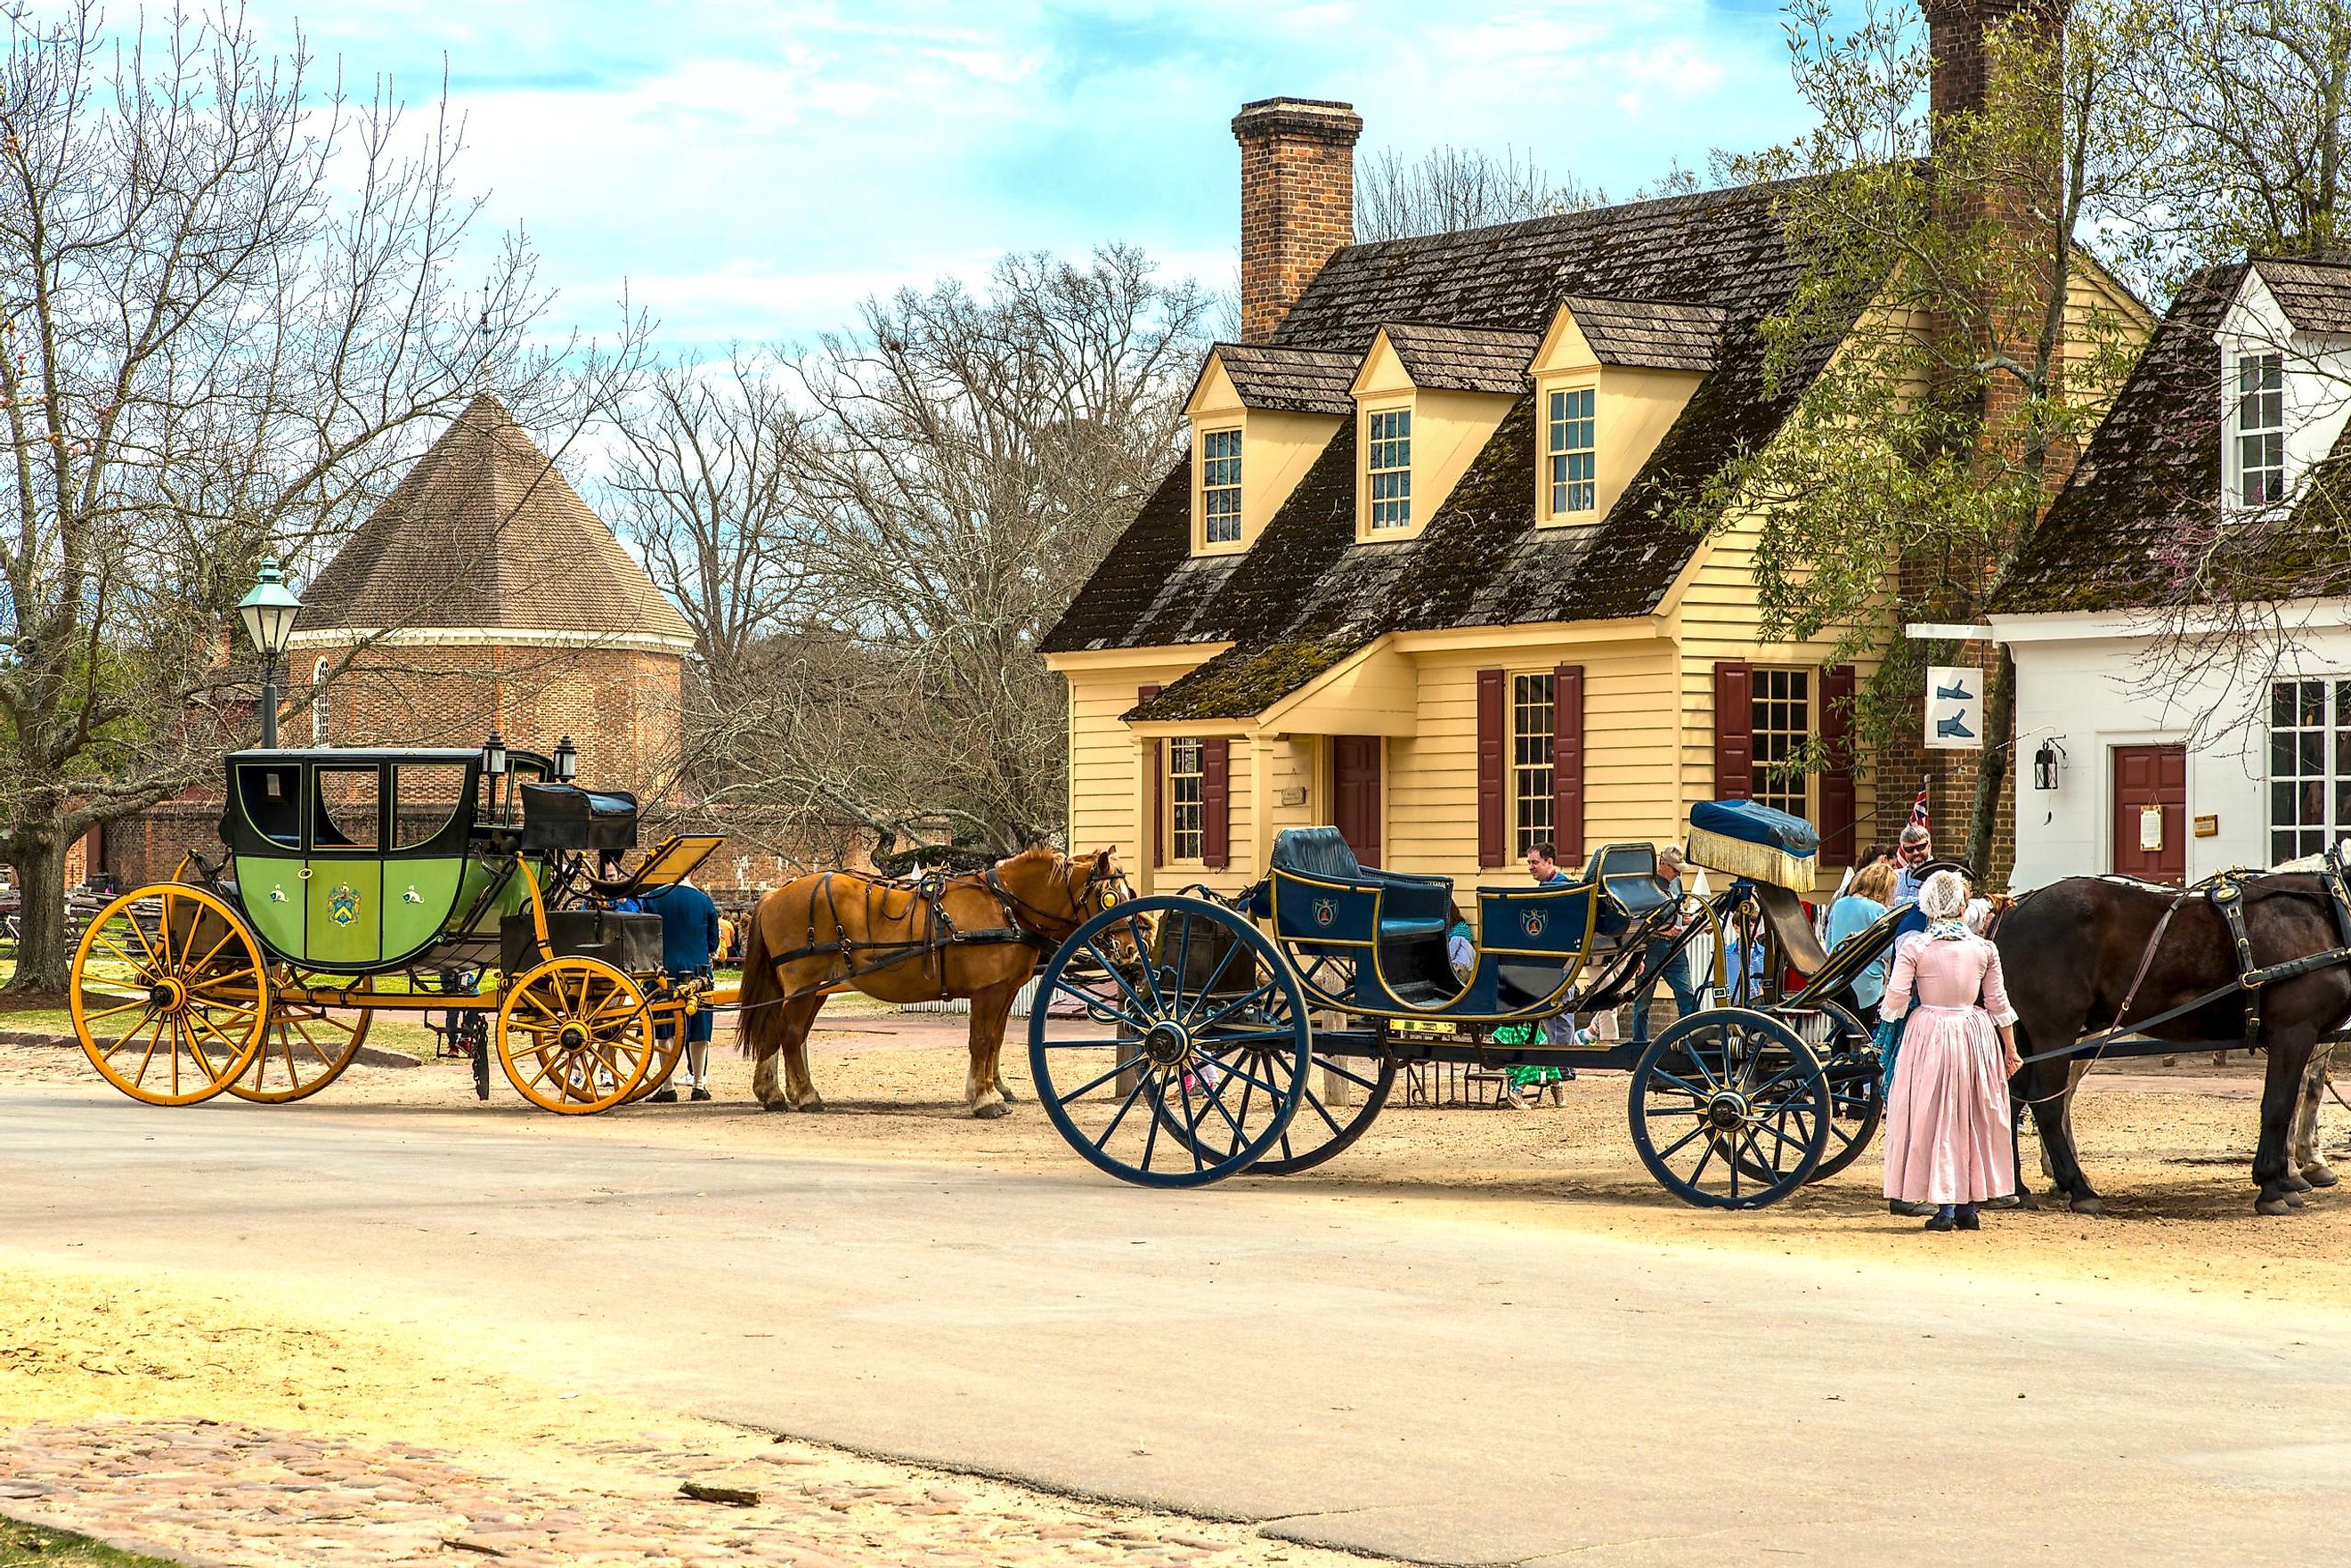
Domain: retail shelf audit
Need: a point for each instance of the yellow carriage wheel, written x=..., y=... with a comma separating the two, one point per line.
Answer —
x=168, y=995
x=575, y=1036
x=307, y=1045
x=668, y=1049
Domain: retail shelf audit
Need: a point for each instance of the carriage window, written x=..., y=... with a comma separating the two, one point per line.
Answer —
x=1783, y=723
x=2310, y=766
x=272, y=800
x=1388, y=468
x=424, y=796
x=1187, y=813
x=1533, y=726
x=343, y=808
x=1220, y=488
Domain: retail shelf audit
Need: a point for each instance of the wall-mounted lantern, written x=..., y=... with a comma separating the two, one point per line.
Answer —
x=2046, y=762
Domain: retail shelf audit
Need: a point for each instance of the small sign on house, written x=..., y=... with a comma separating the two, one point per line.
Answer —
x=1954, y=707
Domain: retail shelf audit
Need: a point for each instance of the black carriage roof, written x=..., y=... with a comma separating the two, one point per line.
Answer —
x=362, y=754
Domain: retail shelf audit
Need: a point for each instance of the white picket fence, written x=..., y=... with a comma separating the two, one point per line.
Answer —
x=1022, y=1003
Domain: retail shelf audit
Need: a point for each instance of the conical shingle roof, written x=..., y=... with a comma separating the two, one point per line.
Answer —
x=483, y=534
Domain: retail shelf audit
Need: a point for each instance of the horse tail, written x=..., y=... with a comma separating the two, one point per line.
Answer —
x=760, y=1018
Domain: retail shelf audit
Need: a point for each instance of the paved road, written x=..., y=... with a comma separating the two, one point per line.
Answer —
x=1393, y=1374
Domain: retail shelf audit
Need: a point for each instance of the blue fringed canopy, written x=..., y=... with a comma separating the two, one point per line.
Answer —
x=1742, y=838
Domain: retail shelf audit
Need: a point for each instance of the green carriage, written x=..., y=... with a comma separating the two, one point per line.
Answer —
x=360, y=882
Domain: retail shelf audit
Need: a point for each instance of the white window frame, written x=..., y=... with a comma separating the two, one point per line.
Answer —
x=318, y=710
x=1184, y=789
x=2269, y=362
x=1221, y=477
x=1396, y=505
x=2316, y=755
x=1566, y=493
x=1767, y=785
x=1534, y=760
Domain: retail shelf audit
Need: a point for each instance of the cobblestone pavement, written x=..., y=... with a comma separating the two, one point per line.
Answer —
x=229, y=1493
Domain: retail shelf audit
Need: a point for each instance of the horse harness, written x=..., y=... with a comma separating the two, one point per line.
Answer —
x=939, y=931
x=2226, y=892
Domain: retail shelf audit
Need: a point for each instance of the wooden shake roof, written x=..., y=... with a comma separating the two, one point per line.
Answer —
x=484, y=534
x=1713, y=267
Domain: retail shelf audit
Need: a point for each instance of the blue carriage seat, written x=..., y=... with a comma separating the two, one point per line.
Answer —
x=1532, y=940
x=1322, y=900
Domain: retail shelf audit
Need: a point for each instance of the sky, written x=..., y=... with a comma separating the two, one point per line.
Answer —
x=749, y=172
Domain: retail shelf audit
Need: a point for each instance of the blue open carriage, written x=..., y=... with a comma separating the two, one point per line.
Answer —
x=1264, y=1031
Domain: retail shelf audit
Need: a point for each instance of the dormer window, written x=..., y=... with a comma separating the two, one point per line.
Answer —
x=2261, y=429
x=1387, y=466
x=1220, y=488
x=1572, y=452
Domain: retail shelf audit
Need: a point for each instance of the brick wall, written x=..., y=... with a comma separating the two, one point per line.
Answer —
x=620, y=705
x=1298, y=201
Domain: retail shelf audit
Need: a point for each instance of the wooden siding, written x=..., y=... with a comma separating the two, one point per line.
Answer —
x=1106, y=782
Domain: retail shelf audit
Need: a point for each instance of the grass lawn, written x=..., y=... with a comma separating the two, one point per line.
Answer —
x=22, y=1545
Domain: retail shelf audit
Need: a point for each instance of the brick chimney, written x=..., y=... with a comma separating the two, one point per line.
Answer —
x=1298, y=201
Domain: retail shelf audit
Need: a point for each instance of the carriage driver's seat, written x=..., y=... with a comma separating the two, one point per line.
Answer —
x=1629, y=892
x=1799, y=944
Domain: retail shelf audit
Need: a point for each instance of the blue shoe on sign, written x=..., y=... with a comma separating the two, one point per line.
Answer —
x=1954, y=727
x=1957, y=694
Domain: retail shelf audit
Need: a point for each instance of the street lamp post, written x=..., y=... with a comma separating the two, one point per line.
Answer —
x=268, y=612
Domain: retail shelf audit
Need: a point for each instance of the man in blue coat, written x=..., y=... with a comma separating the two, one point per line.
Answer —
x=689, y=936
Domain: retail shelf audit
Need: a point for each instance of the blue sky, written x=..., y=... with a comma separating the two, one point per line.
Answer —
x=751, y=171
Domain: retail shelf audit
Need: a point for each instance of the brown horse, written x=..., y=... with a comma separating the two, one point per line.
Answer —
x=977, y=936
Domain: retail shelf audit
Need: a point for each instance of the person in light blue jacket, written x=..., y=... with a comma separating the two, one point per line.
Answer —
x=1865, y=902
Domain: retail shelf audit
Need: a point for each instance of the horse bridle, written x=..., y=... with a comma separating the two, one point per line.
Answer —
x=1114, y=889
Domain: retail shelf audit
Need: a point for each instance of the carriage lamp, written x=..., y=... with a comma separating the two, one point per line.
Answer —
x=494, y=754
x=566, y=761
x=2045, y=763
x=269, y=611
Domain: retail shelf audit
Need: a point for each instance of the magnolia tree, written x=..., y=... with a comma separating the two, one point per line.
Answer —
x=229, y=307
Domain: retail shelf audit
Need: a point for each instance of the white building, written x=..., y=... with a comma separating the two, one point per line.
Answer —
x=2220, y=478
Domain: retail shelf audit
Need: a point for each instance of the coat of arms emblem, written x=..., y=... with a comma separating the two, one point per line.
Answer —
x=412, y=895
x=343, y=904
x=1532, y=921
x=1326, y=910
x=277, y=893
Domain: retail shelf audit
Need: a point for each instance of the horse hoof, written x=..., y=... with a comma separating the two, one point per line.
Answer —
x=2092, y=1204
x=2320, y=1175
x=991, y=1113
x=2272, y=1205
x=2293, y=1182
x=2293, y=1198
x=775, y=1105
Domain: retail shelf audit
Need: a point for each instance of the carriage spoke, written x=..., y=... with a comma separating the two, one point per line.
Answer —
x=1209, y=986
x=1159, y=1111
x=1329, y=1064
x=1093, y=1084
x=1183, y=964
x=1124, y=1106
x=1243, y=1000
x=1131, y=995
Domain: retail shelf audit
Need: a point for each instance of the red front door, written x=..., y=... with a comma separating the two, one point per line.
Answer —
x=1355, y=793
x=2150, y=812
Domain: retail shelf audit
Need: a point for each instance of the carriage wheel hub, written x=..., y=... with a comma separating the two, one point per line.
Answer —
x=1166, y=1043
x=573, y=1037
x=1725, y=1112
x=167, y=996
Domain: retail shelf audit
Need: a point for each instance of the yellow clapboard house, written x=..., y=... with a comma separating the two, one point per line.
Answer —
x=1420, y=573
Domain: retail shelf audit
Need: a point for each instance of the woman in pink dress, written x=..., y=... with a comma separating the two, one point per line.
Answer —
x=1947, y=1118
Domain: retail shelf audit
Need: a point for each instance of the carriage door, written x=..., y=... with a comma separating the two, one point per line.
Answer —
x=1355, y=793
x=2151, y=812
x=345, y=864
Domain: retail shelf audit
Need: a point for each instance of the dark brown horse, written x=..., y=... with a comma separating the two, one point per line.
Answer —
x=2070, y=952
x=976, y=935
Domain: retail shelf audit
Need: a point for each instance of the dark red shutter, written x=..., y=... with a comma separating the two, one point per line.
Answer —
x=1216, y=803
x=1151, y=784
x=1491, y=848
x=1567, y=761
x=1734, y=730
x=1837, y=805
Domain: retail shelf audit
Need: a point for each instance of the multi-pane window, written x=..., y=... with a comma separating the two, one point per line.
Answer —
x=1782, y=723
x=1387, y=466
x=2261, y=429
x=1571, y=449
x=1534, y=721
x=2310, y=766
x=1187, y=809
x=1220, y=487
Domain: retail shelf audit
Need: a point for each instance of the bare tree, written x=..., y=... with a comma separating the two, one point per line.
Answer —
x=962, y=461
x=230, y=302
x=1450, y=187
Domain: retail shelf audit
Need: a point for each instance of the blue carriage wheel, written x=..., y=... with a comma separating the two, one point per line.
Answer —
x=1181, y=1051
x=1342, y=1097
x=1730, y=1109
